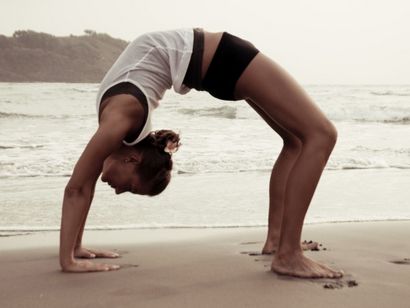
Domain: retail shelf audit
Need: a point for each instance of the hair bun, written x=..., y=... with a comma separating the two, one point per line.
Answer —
x=165, y=140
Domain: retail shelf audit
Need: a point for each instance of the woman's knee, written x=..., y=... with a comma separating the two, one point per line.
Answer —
x=330, y=132
x=323, y=138
x=293, y=145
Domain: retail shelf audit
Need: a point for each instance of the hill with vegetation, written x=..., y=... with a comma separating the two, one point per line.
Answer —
x=30, y=56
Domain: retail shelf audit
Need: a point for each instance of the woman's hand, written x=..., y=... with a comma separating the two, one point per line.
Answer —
x=83, y=266
x=81, y=252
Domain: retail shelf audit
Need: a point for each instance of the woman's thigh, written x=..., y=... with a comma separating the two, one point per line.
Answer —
x=289, y=139
x=275, y=92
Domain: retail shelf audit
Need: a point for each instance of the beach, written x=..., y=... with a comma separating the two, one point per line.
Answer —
x=211, y=267
x=198, y=243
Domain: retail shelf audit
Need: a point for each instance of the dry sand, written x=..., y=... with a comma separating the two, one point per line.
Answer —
x=211, y=268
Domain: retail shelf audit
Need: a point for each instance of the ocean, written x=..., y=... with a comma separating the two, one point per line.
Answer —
x=222, y=169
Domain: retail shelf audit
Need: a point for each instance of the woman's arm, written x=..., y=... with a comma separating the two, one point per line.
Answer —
x=81, y=252
x=79, y=190
x=78, y=242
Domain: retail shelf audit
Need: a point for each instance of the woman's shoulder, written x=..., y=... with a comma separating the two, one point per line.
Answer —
x=166, y=35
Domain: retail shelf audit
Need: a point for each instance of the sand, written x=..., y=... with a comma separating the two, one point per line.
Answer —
x=211, y=268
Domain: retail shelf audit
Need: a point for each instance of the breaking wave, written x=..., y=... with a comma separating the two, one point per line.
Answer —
x=227, y=112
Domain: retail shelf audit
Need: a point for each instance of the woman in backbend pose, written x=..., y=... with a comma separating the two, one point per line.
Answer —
x=132, y=158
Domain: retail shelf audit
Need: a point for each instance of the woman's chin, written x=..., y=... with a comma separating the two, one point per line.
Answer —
x=118, y=191
x=104, y=178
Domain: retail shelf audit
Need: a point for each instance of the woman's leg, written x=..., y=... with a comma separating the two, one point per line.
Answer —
x=275, y=92
x=292, y=147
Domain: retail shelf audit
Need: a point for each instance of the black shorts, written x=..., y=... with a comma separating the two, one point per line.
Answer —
x=231, y=58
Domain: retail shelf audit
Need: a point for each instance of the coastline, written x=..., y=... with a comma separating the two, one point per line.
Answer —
x=217, y=267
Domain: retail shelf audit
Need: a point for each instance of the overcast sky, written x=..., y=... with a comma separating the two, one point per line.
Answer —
x=317, y=41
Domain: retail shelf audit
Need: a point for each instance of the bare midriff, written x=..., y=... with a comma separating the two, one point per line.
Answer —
x=211, y=41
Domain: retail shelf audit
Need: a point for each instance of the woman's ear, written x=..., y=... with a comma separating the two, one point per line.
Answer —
x=135, y=158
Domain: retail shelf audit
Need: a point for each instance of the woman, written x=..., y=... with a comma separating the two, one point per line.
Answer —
x=132, y=158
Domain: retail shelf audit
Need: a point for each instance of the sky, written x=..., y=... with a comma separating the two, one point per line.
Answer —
x=317, y=41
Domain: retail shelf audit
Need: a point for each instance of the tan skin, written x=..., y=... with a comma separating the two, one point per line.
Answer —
x=103, y=154
x=308, y=139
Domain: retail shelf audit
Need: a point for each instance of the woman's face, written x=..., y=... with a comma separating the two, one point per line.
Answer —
x=119, y=173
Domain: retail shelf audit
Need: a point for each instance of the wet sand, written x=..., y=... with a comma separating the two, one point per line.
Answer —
x=211, y=268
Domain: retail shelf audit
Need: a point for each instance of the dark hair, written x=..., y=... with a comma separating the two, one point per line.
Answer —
x=156, y=165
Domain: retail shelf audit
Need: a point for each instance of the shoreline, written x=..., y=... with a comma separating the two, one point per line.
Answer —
x=211, y=267
x=9, y=231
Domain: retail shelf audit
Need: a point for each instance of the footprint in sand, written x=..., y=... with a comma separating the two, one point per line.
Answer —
x=250, y=243
x=263, y=257
x=346, y=281
x=312, y=246
x=339, y=284
x=251, y=253
x=326, y=283
x=128, y=265
x=405, y=261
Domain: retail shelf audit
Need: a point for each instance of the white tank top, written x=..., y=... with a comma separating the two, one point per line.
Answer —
x=154, y=62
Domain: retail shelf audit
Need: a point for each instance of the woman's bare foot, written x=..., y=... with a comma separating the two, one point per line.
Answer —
x=88, y=266
x=271, y=247
x=300, y=266
x=85, y=253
